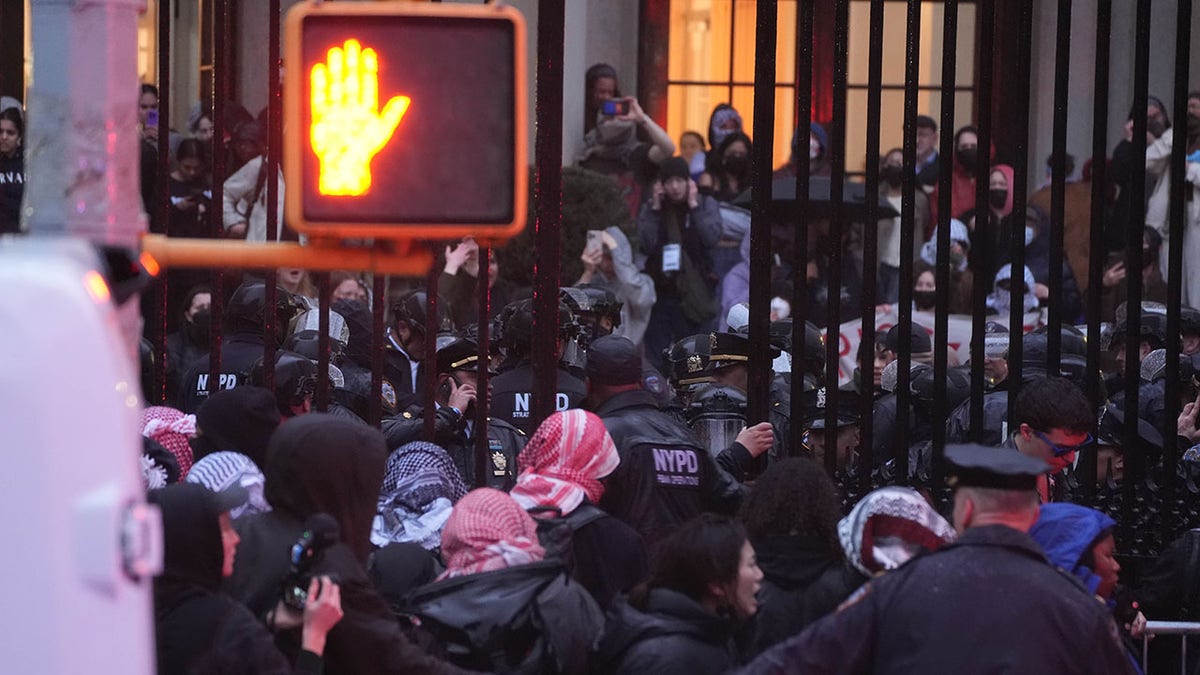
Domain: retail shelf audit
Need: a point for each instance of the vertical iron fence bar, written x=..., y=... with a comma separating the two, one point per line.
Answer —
x=427, y=372
x=907, y=217
x=805, y=11
x=1133, y=307
x=941, y=315
x=378, y=342
x=837, y=177
x=321, y=395
x=548, y=226
x=1016, y=219
x=220, y=92
x=982, y=255
x=866, y=351
x=481, y=396
x=1058, y=186
x=1097, y=243
x=758, y=403
x=1176, y=227
x=274, y=150
x=162, y=201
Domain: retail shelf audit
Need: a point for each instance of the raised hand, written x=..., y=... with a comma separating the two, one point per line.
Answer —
x=347, y=128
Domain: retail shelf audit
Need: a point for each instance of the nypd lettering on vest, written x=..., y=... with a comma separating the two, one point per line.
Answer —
x=676, y=467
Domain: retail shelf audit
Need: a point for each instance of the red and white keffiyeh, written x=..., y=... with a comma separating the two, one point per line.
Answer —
x=564, y=462
x=172, y=429
x=488, y=531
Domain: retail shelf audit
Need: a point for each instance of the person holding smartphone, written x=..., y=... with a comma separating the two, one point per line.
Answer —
x=613, y=148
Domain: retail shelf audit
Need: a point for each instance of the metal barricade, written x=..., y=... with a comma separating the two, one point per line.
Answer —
x=1184, y=629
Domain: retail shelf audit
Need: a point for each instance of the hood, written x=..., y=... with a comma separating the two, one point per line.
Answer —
x=796, y=560
x=192, y=550
x=1065, y=532
x=241, y=419
x=321, y=463
x=666, y=612
x=480, y=605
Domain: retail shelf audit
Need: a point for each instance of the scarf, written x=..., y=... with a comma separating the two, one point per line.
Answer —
x=420, y=486
x=488, y=531
x=222, y=470
x=564, y=462
x=889, y=527
x=172, y=429
x=611, y=139
x=1001, y=300
x=958, y=233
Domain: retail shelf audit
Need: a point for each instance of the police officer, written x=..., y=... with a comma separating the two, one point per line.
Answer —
x=849, y=434
x=665, y=476
x=728, y=365
x=242, y=341
x=406, y=347
x=989, y=602
x=458, y=368
x=512, y=389
x=295, y=382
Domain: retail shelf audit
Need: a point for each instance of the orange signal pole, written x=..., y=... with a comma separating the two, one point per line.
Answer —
x=318, y=256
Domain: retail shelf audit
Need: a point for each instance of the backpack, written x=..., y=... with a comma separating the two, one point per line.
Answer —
x=556, y=533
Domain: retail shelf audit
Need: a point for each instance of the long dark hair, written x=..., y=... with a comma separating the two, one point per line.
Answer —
x=14, y=115
x=703, y=551
x=793, y=496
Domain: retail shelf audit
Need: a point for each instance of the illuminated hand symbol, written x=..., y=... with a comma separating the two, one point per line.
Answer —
x=347, y=130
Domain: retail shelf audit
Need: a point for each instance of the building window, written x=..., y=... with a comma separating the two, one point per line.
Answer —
x=711, y=61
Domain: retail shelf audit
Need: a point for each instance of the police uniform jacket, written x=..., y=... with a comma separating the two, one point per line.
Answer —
x=239, y=351
x=505, y=442
x=398, y=385
x=988, y=603
x=512, y=394
x=665, y=477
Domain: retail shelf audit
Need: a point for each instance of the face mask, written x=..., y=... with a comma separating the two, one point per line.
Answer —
x=1028, y=235
x=616, y=132
x=1156, y=126
x=892, y=175
x=997, y=198
x=814, y=149
x=719, y=136
x=737, y=165
x=967, y=158
x=925, y=300
x=197, y=329
x=958, y=261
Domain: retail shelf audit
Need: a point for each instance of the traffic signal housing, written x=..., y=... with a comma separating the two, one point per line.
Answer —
x=405, y=120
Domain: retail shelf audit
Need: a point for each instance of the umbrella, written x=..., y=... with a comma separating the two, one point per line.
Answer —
x=785, y=205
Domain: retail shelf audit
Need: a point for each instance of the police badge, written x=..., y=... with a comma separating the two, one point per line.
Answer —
x=694, y=363
x=499, y=463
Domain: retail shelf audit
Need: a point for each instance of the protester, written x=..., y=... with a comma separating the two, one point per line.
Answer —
x=889, y=527
x=420, y=486
x=241, y=419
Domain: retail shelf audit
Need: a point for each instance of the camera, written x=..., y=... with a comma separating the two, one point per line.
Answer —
x=614, y=107
x=320, y=532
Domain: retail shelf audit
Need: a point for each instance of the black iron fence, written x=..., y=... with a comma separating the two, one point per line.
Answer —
x=1154, y=500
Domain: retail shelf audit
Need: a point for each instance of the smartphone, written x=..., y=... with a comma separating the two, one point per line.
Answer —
x=152, y=118
x=614, y=107
x=595, y=242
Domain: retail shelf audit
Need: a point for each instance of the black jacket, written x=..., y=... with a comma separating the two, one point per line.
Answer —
x=671, y=635
x=12, y=189
x=803, y=580
x=398, y=386
x=239, y=351
x=989, y=602
x=322, y=464
x=512, y=394
x=525, y=619
x=665, y=477
x=450, y=431
x=198, y=629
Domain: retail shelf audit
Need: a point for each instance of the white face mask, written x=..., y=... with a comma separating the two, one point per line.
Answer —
x=1028, y=235
x=814, y=149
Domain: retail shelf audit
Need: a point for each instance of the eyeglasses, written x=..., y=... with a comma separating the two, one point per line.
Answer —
x=1064, y=450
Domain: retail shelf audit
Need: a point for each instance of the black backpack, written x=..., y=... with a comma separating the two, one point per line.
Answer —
x=555, y=533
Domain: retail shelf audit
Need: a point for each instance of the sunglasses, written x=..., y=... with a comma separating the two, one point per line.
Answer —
x=1063, y=450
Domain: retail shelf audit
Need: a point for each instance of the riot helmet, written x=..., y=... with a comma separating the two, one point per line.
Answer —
x=716, y=416
x=246, y=309
x=295, y=381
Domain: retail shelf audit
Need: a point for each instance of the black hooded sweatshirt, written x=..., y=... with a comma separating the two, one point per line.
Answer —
x=319, y=463
x=198, y=629
x=803, y=580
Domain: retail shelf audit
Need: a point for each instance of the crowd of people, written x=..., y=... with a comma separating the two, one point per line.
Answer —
x=646, y=525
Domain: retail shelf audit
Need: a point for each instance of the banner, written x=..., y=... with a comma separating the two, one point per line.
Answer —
x=958, y=336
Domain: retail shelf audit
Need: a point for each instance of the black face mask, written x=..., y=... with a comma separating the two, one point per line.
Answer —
x=967, y=157
x=892, y=175
x=197, y=330
x=1156, y=126
x=997, y=198
x=737, y=165
x=925, y=300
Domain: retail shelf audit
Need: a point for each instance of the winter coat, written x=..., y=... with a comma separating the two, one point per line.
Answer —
x=239, y=351
x=607, y=558
x=12, y=190
x=322, y=464
x=245, y=194
x=528, y=618
x=633, y=288
x=989, y=602
x=512, y=395
x=803, y=580
x=198, y=629
x=665, y=477
x=671, y=635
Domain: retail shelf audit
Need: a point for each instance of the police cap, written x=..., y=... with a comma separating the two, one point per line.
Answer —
x=687, y=360
x=921, y=342
x=973, y=465
x=816, y=403
x=460, y=353
x=614, y=360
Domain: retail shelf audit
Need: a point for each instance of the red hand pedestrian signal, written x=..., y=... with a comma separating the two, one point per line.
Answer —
x=347, y=127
